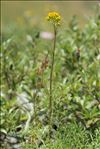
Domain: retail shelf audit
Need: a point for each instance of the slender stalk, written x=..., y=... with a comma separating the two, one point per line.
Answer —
x=51, y=80
x=35, y=110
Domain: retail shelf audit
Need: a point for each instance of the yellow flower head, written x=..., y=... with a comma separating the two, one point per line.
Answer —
x=54, y=17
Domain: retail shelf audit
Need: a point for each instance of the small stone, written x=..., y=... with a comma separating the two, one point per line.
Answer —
x=11, y=140
x=16, y=146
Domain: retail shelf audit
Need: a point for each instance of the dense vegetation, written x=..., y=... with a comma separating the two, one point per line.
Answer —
x=25, y=71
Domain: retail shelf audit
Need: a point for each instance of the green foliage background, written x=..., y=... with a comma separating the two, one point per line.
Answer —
x=76, y=111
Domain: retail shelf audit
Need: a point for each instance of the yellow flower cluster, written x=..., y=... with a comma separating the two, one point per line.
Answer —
x=54, y=17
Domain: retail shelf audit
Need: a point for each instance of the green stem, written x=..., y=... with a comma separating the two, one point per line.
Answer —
x=35, y=109
x=51, y=79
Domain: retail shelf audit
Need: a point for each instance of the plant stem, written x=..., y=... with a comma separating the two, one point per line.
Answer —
x=51, y=79
x=35, y=112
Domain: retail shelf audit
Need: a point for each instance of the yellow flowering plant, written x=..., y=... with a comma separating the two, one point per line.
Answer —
x=55, y=19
